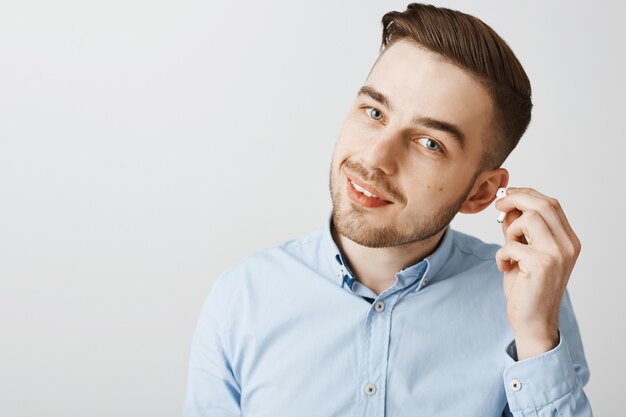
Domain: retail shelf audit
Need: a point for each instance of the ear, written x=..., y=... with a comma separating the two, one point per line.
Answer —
x=484, y=190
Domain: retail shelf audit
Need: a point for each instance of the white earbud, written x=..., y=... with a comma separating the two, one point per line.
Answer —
x=500, y=194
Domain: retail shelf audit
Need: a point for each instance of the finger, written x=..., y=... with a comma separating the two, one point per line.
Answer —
x=510, y=217
x=525, y=256
x=531, y=228
x=570, y=245
x=524, y=199
x=552, y=201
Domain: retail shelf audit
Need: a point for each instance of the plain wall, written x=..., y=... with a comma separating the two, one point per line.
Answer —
x=145, y=146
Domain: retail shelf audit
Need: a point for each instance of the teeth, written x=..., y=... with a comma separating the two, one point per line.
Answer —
x=363, y=190
x=357, y=186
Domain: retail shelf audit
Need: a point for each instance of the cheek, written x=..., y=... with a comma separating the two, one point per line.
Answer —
x=349, y=143
x=339, y=154
x=442, y=190
x=431, y=180
x=433, y=191
x=427, y=192
x=441, y=186
x=353, y=133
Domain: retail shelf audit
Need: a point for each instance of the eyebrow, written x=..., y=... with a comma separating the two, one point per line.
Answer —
x=425, y=121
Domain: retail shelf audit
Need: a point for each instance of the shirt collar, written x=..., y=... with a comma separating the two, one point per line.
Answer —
x=424, y=270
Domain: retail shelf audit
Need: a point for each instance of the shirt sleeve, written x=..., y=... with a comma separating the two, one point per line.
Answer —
x=550, y=384
x=212, y=389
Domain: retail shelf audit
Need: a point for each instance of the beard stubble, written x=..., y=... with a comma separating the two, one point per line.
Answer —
x=352, y=223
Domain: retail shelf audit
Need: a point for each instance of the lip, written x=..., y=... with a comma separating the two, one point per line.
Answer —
x=362, y=199
x=369, y=188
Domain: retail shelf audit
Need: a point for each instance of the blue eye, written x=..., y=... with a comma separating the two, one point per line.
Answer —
x=376, y=110
x=429, y=144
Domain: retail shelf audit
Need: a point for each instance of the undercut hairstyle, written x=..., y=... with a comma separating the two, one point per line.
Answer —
x=472, y=45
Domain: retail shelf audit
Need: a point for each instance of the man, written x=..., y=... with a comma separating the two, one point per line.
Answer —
x=387, y=311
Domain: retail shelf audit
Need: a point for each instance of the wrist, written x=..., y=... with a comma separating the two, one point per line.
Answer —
x=533, y=345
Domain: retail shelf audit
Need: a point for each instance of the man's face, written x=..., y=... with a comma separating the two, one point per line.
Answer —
x=400, y=151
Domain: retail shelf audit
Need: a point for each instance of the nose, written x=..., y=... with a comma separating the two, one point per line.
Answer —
x=383, y=151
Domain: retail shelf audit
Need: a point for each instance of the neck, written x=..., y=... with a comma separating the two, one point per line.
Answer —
x=376, y=268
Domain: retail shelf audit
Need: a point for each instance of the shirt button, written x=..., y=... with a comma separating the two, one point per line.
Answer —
x=370, y=389
x=515, y=385
x=379, y=306
x=425, y=282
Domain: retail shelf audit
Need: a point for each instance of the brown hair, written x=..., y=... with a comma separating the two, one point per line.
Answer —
x=469, y=43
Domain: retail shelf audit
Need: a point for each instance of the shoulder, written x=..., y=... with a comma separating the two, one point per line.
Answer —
x=473, y=262
x=474, y=247
x=470, y=253
x=268, y=262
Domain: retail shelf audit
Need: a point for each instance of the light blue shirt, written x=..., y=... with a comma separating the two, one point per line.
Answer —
x=286, y=332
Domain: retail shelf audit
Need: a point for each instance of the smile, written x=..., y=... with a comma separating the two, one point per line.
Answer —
x=362, y=190
x=364, y=197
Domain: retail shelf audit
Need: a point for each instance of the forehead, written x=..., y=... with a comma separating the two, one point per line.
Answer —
x=420, y=82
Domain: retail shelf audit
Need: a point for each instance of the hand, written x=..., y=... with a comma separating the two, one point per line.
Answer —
x=537, y=259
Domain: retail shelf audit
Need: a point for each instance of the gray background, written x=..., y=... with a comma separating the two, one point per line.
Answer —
x=145, y=146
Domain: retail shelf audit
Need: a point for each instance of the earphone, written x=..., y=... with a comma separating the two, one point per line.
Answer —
x=501, y=193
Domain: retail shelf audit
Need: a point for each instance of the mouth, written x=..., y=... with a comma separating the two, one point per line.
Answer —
x=364, y=195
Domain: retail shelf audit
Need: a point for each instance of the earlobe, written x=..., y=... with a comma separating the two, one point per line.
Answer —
x=484, y=191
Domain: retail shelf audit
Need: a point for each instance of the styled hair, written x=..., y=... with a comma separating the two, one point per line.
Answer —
x=472, y=45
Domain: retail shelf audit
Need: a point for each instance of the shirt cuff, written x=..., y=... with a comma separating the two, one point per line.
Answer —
x=539, y=380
